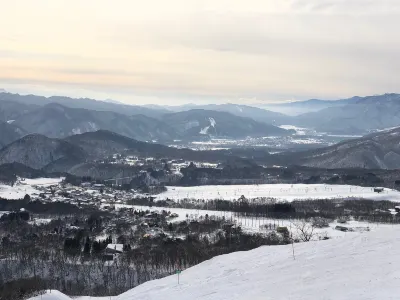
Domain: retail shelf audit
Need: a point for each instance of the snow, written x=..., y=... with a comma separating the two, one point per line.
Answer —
x=76, y=131
x=26, y=186
x=204, y=130
x=334, y=269
x=117, y=247
x=299, y=130
x=212, y=122
x=51, y=295
x=43, y=181
x=362, y=266
x=253, y=224
x=239, y=108
x=283, y=192
x=40, y=221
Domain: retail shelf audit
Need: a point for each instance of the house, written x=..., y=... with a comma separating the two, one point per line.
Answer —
x=98, y=186
x=114, y=248
x=342, y=228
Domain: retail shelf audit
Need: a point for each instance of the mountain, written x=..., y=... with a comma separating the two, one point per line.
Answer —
x=38, y=151
x=10, y=170
x=58, y=121
x=103, y=143
x=10, y=110
x=375, y=151
x=363, y=115
x=9, y=133
x=198, y=123
x=257, y=114
x=79, y=151
x=301, y=107
x=84, y=103
x=321, y=270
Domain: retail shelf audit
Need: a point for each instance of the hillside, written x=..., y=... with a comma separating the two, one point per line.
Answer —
x=201, y=123
x=103, y=143
x=358, y=117
x=375, y=151
x=9, y=133
x=10, y=110
x=357, y=266
x=38, y=151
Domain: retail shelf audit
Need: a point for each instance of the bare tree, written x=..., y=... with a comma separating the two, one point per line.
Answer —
x=304, y=231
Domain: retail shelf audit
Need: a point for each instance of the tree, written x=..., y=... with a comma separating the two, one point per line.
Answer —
x=87, y=247
x=304, y=231
x=27, y=198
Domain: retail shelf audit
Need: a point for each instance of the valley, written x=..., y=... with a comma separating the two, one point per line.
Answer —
x=98, y=199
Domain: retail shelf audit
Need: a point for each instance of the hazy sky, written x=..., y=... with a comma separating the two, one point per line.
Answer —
x=176, y=51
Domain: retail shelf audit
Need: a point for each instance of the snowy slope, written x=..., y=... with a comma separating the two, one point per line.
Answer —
x=284, y=192
x=51, y=295
x=26, y=186
x=361, y=267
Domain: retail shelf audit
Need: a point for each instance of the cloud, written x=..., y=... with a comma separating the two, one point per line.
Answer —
x=205, y=50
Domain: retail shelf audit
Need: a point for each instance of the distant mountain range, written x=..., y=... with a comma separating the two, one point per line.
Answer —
x=257, y=114
x=60, y=117
x=77, y=154
x=301, y=107
x=351, y=116
x=84, y=103
x=360, y=116
x=58, y=121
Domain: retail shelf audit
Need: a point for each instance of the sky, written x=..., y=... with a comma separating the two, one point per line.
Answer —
x=200, y=51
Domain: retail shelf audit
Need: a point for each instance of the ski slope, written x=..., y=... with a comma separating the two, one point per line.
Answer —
x=363, y=266
x=283, y=192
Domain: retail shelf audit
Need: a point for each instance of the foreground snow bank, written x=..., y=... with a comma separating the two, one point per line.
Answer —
x=363, y=266
x=51, y=295
x=357, y=267
x=284, y=192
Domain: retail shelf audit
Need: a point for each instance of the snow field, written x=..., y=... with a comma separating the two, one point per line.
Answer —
x=255, y=225
x=282, y=192
x=26, y=186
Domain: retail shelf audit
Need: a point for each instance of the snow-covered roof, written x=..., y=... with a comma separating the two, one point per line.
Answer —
x=116, y=247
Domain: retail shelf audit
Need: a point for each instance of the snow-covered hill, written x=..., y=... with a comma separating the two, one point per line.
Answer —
x=362, y=266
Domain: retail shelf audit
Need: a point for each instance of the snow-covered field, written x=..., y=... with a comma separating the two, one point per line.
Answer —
x=283, y=192
x=26, y=186
x=255, y=225
x=361, y=267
